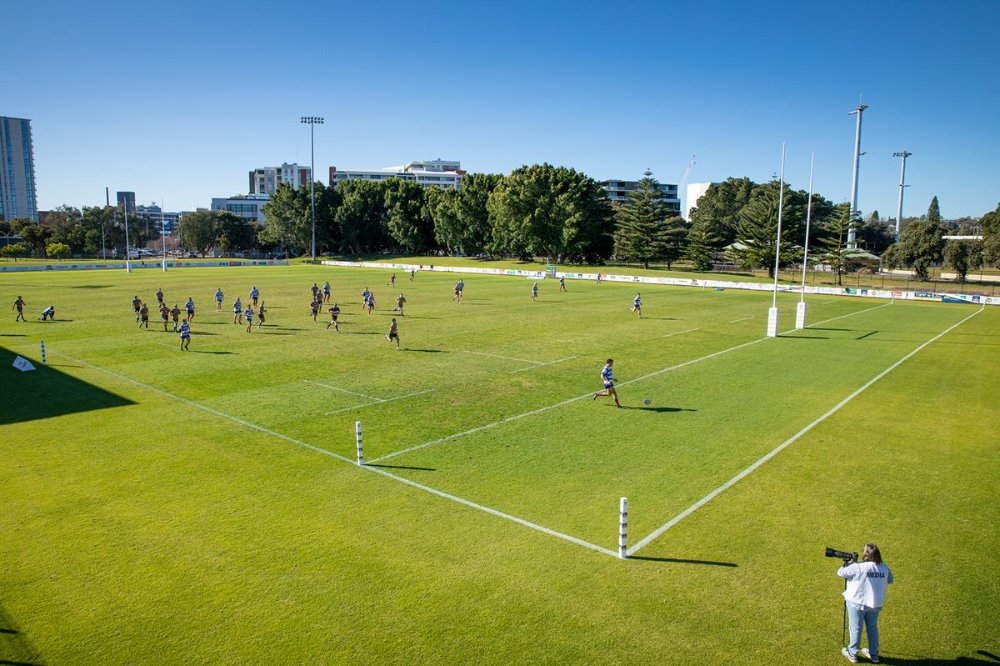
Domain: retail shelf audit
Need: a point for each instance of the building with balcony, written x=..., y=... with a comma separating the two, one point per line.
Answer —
x=249, y=207
x=265, y=180
x=17, y=170
x=618, y=191
x=444, y=174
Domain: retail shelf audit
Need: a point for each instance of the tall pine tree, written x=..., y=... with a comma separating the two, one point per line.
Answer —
x=644, y=230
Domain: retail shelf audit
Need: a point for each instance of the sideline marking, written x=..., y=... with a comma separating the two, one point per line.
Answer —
x=377, y=402
x=690, y=330
x=788, y=442
x=331, y=454
x=736, y=320
x=539, y=365
x=506, y=358
x=589, y=394
x=334, y=388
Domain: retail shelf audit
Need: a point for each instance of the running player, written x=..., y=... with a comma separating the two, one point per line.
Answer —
x=175, y=314
x=260, y=315
x=237, y=311
x=637, y=305
x=314, y=307
x=458, y=293
x=364, y=297
x=136, y=305
x=190, y=308
x=412, y=273
x=562, y=283
x=253, y=296
x=394, y=333
x=326, y=292
x=185, y=336
x=461, y=290
x=315, y=291
x=19, y=304
x=400, y=300
x=144, y=316
x=392, y=280
x=371, y=302
x=607, y=376
x=159, y=296
x=334, y=314
x=218, y=299
x=164, y=315
x=249, y=317
x=534, y=291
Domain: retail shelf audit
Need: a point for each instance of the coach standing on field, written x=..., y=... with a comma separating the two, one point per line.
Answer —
x=864, y=594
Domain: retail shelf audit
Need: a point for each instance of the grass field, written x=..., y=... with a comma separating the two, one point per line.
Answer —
x=205, y=507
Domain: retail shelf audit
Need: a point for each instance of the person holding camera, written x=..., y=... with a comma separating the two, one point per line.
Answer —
x=864, y=593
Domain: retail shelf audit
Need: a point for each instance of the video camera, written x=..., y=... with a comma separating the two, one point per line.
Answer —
x=848, y=557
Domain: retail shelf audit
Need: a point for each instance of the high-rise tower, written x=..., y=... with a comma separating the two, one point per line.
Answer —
x=17, y=170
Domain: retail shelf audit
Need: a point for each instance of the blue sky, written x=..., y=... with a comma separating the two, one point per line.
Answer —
x=178, y=101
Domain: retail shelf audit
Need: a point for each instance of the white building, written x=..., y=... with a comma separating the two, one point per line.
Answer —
x=445, y=174
x=154, y=214
x=250, y=207
x=694, y=192
x=265, y=180
x=618, y=192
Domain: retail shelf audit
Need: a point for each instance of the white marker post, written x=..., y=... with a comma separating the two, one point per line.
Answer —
x=623, y=528
x=43, y=353
x=800, y=309
x=772, y=313
x=361, y=453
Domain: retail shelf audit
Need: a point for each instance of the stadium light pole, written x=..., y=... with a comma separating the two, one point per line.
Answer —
x=902, y=181
x=163, y=235
x=772, y=314
x=128, y=258
x=851, y=232
x=800, y=311
x=312, y=121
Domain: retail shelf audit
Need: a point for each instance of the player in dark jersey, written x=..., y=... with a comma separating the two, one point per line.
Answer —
x=260, y=315
x=164, y=315
x=144, y=316
x=562, y=283
x=175, y=315
x=159, y=296
x=19, y=304
x=393, y=333
x=136, y=305
x=534, y=291
x=314, y=307
x=334, y=314
x=400, y=302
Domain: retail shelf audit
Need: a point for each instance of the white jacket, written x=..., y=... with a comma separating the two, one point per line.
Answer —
x=866, y=583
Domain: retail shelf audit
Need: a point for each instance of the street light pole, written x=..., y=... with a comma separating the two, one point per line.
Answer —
x=851, y=232
x=902, y=179
x=312, y=121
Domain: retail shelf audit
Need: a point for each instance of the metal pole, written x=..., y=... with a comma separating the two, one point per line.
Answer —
x=851, y=244
x=128, y=260
x=312, y=121
x=163, y=234
x=772, y=314
x=902, y=181
x=107, y=203
x=800, y=313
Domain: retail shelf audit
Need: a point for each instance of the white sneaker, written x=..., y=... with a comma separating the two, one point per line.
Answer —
x=868, y=655
x=853, y=658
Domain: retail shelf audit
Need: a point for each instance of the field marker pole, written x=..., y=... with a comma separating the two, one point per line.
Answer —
x=800, y=309
x=43, y=353
x=623, y=528
x=772, y=313
x=361, y=453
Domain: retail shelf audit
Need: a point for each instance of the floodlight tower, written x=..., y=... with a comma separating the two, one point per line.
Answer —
x=851, y=232
x=312, y=121
x=902, y=179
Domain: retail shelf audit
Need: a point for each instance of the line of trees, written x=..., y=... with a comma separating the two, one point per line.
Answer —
x=541, y=211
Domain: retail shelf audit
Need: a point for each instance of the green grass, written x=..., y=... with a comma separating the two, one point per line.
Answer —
x=145, y=522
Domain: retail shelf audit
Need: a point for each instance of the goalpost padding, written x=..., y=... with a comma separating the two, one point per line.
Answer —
x=623, y=528
x=361, y=452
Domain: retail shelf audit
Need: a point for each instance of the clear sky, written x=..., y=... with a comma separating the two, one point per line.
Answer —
x=177, y=101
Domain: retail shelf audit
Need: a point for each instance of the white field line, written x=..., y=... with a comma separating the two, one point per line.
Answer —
x=334, y=388
x=540, y=365
x=292, y=440
x=743, y=319
x=589, y=394
x=788, y=442
x=377, y=402
x=506, y=358
x=690, y=330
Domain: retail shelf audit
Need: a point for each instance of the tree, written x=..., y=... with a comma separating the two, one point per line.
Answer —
x=234, y=233
x=876, y=235
x=991, y=236
x=548, y=211
x=34, y=235
x=963, y=256
x=362, y=217
x=14, y=251
x=758, y=227
x=701, y=248
x=920, y=245
x=57, y=250
x=934, y=212
x=644, y=229
x=462, y=221
x=288, y=218
x=719, y=208
x=836, y=254
x=408, y=227
x=199, y=230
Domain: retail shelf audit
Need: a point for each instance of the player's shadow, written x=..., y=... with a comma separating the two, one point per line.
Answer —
x=419, y=469
x=89, y=286
x=981, y=657
x=868, y=334
x=425, y=351
x=202, y=333
x=805, y=337
x=677, y=560
x=201, y=351
x=56, y=321
x=13, y=335
x=660, y=409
